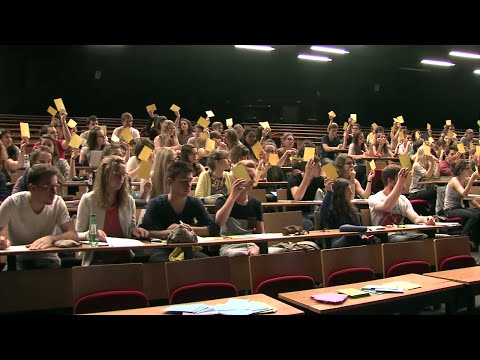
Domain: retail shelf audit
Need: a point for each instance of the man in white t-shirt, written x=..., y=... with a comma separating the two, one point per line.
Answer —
x=34, y=216
x=389, y=206
x=127, y=122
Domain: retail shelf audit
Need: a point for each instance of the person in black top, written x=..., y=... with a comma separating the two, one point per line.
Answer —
x=330, y=145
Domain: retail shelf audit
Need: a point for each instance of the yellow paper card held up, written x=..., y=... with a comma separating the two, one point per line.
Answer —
x=477, y=152
x=209, y=145
x=126, y=135
x=257, y=149
x=203, y=122
x=451, y=134
x=330, y=171
x=427, y=150
x=265, y=124
x=75, y=141
x=354, y=118
x=472, y=147
x=175, y=108
x=400, y=119
x=374, y=126
x=332, y=114
x=430, y=140
x=309, y=153
x=144, y=170
x=145, y=153
x=59, y=104
x=229, y=122
x=461, y=148
x=372, y=165
x=115, y=138
x=240, y=172
x=371, y=138
x=71, y=123
x=448, y=122
x=104, y=128
x=24, y=130
x=405, y=161
x=273, y=159
x=401, y=135
x=203, y=135
x=429, y=127
x=345, y=126
x=417, y=135
x=210, y=113
x=151, y=107
x=53, y=112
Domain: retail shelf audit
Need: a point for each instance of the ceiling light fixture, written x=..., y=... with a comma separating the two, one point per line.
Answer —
x=313, y=57
x=255, y=47
x=329, y=49
x=437, y=62
x=464, y=54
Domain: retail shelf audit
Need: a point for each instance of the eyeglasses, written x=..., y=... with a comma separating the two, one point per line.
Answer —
x=119, y=175
x=49, y=187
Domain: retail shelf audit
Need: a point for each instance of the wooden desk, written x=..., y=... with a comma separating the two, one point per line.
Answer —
x=432, y=292
x=282, y=308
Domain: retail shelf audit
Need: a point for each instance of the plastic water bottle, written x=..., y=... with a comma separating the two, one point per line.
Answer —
x=26, y=159
x=93, y=233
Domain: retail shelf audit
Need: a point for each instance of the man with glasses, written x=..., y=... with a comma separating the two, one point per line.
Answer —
x=33, y=217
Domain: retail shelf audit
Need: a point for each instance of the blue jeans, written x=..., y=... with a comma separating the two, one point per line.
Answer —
x=37, y=264
x=471, y=227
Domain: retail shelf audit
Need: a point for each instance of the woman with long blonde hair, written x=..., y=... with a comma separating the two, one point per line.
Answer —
x=168, y=137
x=163, y=159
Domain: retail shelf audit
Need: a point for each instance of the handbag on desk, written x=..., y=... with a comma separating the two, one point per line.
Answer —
x=181, y=235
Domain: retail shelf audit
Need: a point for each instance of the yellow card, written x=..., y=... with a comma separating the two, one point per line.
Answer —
x=104, y=128
x=402, y=285
x=371, y=138
x=461, y=148
x=345, y=126
x=75, y=141
x=25, y=130
x=429, y=127
x=210, y=113
x=405, y=161
x=151, y=107
x=229, y=122
x=472, y=147
x=374, y=126
x=401, y=135
x=417, y=135
x=330, y=171
x=174, y=108
x=240, y=172
x=353, y=293
x=265, y=124
x=309, y=153
x=451, y=134
x=477, y=152
x=478, y=122
x=372, y=165
x=430, y=140
x=145, y=153
x=400, y=119
x=427, y=150
x=354, y=118
x=273, y=159
x=203, y=122
x=53, y=112
x=257, y=149
x=144, y=170
x=126, y=135
x=258, y=175
x=71, y=123
x=448, y=122
x=209, y=145
x=203, y=135
x=332, y=114
x=59, y=104
x=115, y=138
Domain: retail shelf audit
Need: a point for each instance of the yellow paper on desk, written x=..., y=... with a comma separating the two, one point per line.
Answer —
x=75, y=141
x=210, y=113
x=427, y=150
x=309, y=153
x=405, y=161
x=144, y=170
x=71, y=123
x=429, y=127
x=203, y=122
x=203, y=135
x=229, y=122
x=24, y=130
x=354, y=118
x=332, y=114
x=405, y=285
x=461, y=148
x=400, y=119
x=372, y=165
x=209, y=145
x=264, y=124
x=448, y=122
x=273, y=159
x=115, y=138
x=257, y=149
x=330, y=171
x=53, y=112
x=353, y=293
x=151, y=107
x=145, y=153
x=175, y=108
x=240, y=172
x=59, y=104
x=126, y=135
x=430, y=140
x=401, y=135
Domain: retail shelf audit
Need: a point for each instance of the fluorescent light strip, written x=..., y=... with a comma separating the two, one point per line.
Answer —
x=313, y=57
x=436, y=62
x=464, y=54
x=255, y=47
x=329, y=49
x=477, y=71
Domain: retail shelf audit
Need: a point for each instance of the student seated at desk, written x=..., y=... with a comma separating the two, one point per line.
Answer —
x=33, y=218
x=345, y=166
x=177, y=209
x=115, y=209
